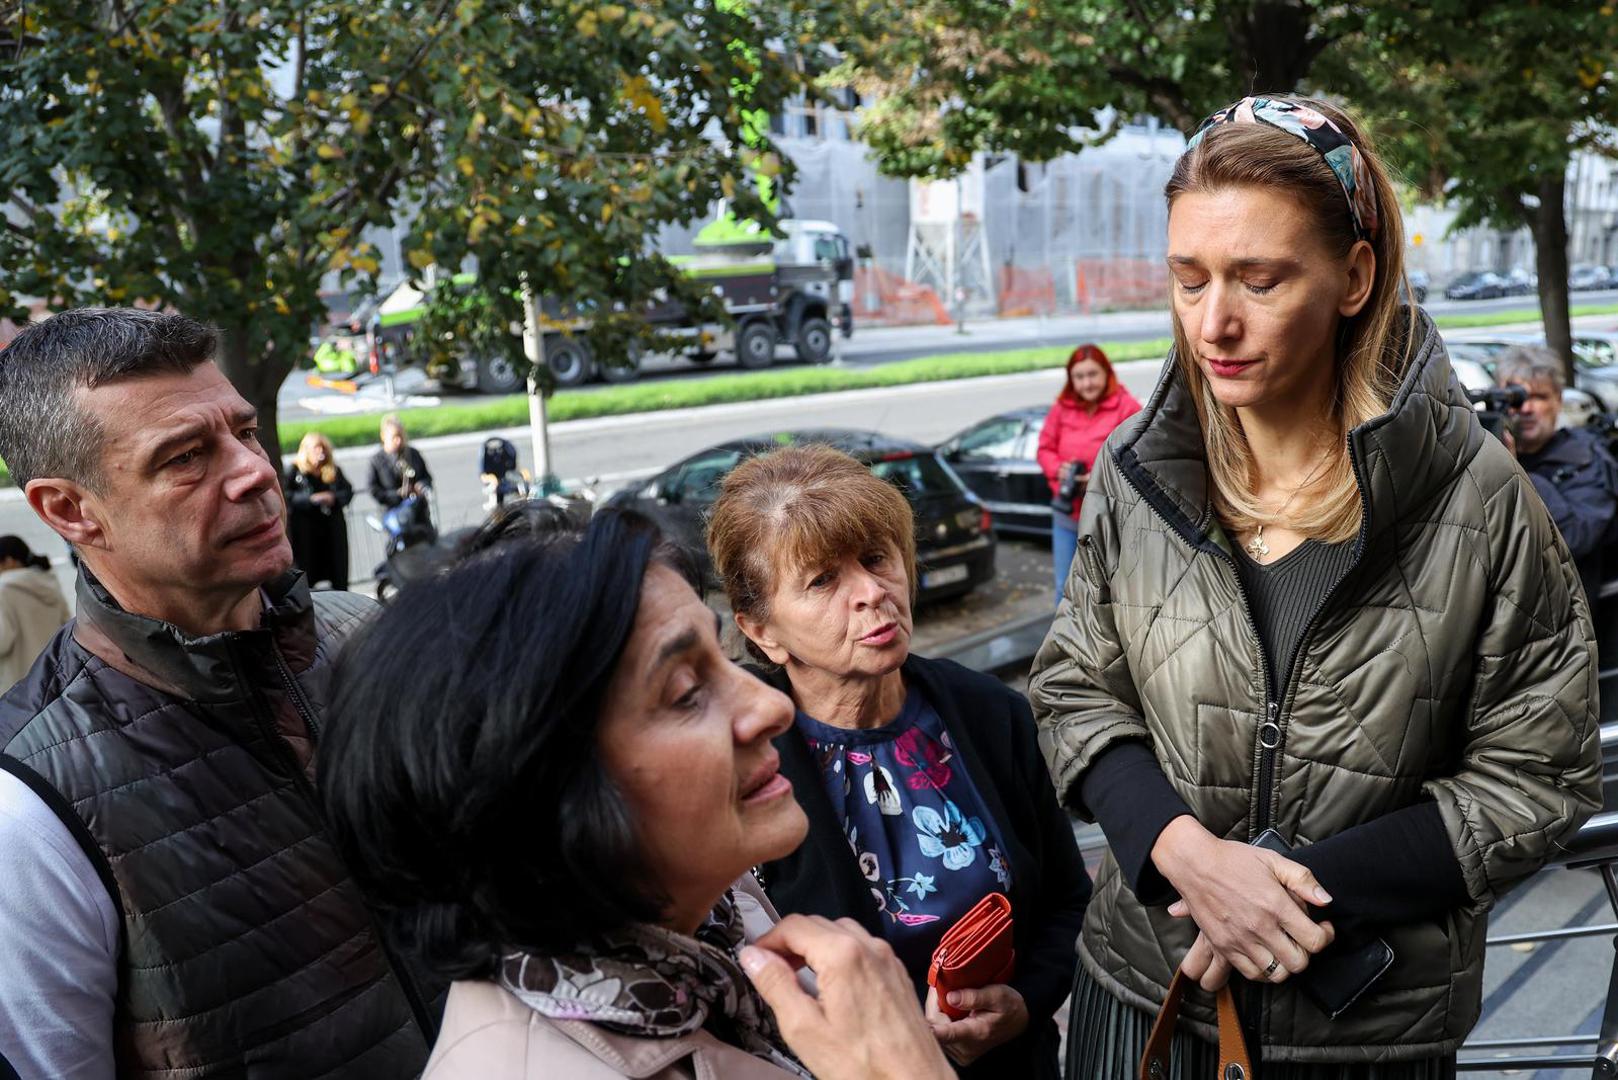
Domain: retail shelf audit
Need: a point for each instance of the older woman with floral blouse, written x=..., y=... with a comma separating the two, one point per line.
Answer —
x=922, y=780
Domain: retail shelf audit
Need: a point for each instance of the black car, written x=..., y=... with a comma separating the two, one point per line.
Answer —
x=998, y=459
x=954, y=532
x=1478, y=285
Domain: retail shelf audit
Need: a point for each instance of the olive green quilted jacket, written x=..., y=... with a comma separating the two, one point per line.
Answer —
x=1455, y=662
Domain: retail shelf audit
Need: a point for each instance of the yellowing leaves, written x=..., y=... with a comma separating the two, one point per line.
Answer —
x=637, y=92
x=465, y=165
x=727, y=184
x=328, y=152
x=281, y=306
x=588, y=24
x=481, y=220
x=418, y=258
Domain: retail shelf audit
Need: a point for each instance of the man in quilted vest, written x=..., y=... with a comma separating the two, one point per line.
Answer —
x=173, y=906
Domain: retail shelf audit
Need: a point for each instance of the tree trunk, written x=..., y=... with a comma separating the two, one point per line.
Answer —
x=1271, y=46
x=258, y=378
x=1549, y=225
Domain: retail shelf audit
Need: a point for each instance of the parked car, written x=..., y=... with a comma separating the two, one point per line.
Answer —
x=1477, y=285
x=1521, y=281
x=1584, y=277
x=997, y=458
x=1595, y=365
x=1595, y=368
x=954, y=531
x=1420, y=284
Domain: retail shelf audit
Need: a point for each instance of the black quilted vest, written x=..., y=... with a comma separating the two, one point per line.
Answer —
x=247, y=952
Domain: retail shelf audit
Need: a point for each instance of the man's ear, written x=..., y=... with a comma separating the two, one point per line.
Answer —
x=69, y=509
x=758, y=633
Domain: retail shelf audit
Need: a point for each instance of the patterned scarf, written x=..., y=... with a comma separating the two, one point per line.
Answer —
x=654, y=983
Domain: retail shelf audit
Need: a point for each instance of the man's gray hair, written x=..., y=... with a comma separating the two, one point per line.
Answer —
x=43, y=432
x=1529, y=364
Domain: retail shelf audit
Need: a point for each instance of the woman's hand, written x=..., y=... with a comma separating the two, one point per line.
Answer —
x=995, y=1014
x=864, y=1022
x=1251, y=905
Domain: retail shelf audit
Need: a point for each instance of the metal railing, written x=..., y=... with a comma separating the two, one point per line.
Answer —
x=1593, y=847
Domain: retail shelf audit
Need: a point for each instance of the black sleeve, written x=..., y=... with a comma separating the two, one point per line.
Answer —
x=1398, y=868
x=1044, y=975
x=342, y=489
x=297, y=494
x=1582, y=506
x=423, y=474
x=383, y=492
x=1127, y=792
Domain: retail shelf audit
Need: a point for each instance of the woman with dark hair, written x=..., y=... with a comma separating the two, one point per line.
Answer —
x=547, y=777
x=1322, y=654
x=1091, y=404
x=922, y=779
x=31, y=609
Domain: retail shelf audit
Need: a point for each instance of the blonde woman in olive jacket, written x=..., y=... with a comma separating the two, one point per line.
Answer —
x=1311, y=595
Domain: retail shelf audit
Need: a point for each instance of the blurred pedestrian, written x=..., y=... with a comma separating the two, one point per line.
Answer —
x=1313, y=598
x=922, y=779
x=317, y=491
x=399, y=482
x=561, y=818
x=173, y=905
x=1092, y=403
x=31, y=609
x=1571, y=470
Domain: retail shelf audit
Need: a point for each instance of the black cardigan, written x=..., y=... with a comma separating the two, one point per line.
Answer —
x=995, y=738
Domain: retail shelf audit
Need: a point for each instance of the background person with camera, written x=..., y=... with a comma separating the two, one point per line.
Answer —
x=1574, y=474
x=1092, y=403
x=399, y=483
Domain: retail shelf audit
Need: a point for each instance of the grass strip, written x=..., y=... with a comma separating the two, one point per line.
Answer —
x=1520, y=315
x=661, y=396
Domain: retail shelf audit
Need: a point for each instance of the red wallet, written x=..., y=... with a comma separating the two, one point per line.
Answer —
x=975, y=952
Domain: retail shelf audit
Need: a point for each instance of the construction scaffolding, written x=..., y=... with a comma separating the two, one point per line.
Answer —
x=1085, y=232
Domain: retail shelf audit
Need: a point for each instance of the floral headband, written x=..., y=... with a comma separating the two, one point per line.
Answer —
x=1345, y=159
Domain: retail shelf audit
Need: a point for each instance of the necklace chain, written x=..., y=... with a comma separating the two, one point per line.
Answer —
x=1256, y=547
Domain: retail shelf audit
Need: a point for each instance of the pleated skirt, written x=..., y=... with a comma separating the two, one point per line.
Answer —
x=1107, y=1038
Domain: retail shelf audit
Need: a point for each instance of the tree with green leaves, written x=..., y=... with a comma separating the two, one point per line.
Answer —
x=950, y=78
x=222, y=160
x=1490, y=119
x=1481, y=102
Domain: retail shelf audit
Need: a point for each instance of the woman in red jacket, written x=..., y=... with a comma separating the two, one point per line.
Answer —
x=1091, y=404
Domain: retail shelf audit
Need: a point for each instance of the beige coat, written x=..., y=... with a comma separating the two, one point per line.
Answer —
x=31, y=611
x=490, y=1035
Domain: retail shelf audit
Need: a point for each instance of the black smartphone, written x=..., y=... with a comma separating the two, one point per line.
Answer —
x=1337, y=977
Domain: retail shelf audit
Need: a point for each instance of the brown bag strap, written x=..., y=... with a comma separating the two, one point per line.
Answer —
x=1234, y=1064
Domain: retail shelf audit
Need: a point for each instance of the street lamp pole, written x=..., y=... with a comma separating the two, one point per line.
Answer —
x=533, y=346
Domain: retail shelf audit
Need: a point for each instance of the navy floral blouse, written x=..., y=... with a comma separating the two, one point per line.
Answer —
x=915, y=821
